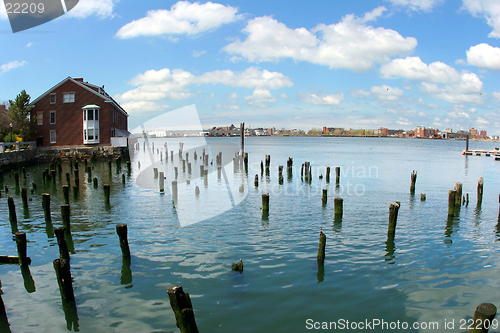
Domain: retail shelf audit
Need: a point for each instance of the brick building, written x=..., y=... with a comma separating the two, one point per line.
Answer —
x=74, y=112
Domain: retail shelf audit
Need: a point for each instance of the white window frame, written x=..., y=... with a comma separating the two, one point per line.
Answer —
x=69, y=97
x=52, y=95
x=50, y=117
x=52, y=136
x=39, y=118
x=91, y=127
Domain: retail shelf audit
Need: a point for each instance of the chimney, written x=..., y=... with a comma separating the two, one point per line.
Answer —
x=80, y=79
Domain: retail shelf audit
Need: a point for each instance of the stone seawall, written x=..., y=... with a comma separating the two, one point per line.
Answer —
x=13, y=159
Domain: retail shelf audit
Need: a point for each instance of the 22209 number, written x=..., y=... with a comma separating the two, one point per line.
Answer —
x=24, y=8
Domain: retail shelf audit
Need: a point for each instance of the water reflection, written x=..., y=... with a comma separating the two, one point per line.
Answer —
x=29, y=283
x=321, y=272
x=452, y=225
x=126, y=277
x=390, y=248
x=337, y=223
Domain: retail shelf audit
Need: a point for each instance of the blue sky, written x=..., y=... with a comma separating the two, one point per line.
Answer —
x=292, y=64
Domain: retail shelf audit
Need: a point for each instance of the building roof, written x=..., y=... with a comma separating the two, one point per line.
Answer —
x=99, y=92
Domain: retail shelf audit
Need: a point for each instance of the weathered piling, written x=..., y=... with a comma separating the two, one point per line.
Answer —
x=89, y=174
x=261, y=168
x=242, y=138
x=187, y=157
x=265, y=203
x=451, y=202
x=46, y=206
x=4, y=322
x=174, y=191
x=172, y=155
x=96, y=182
x=155, y=173
x=324, y=198
x=63, y=246
x=123, y=178
x=337, y=175
x=66, y=194
x=121, y=230
x=189, y=168
x=338, y=204
x=197, y=191
x=268, y=164
x=205, y=177
x=321, y=247
x=68, y=177
x=77, y=178
x=16, y=179
x=129, y=167
x=499, y=207
x=280, y=174
x=219, y=170
x=107, y=190
x=467, y=143
x=327, y=176
x=65, y=215
x=161, y=181
x=195, y=156
x=24, y=196
x=483, y=318
x=238, y=267
x=393, y=217
x=206, y=160
x=183, y=166
x=22, y=248
x=63, y=273
x=423, y=197
x=306, y=171
x=183, y=309
x=202, y=170
x=245, y=161
x=12, y=211
x=413, y=181
x=256, y=181
x=458, y=195
x=480, y=183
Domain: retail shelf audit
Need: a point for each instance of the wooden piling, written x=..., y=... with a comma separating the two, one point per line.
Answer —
x=123, y=179
x=63, y=273
x=65, y=215
x=189, y=167
x=155, y=173
x=61, y=241
x=423, y=197
x=183, y=166
x=458, y=195
x=197, y=191
x=46, y=206
x=12, y=211
x=202, y=170
x=480, y=183
x=219, y=171
x=483, y=318
x=280, y=174
x=161, y=181
x=4, y=322
x=265, y=203
x=66, y=194
x=261, y=168
x=393, y=217
x=183, y=309
x=24, y=196
x=337, y=175
x=67, y=178
x=121, y=230
x=96, y=182
x=467, y=143
x=268, y=164
x=321, y=247
x=242, y=138
x=22, y=248
x=451, y=202
x=256, y=181
x=16, y=179
x=172, y=155
x=306, y=171
x=325, y=196
x=338, y=204
x=107, y=190
x=413, y=181
x=174, y=191
x=327, y=176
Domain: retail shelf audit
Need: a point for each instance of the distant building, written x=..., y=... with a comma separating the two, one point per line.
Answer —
x=423, y=132
x=74, y=112
x=473, y=132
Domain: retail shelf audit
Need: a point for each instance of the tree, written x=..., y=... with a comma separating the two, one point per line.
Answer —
x=21, y=117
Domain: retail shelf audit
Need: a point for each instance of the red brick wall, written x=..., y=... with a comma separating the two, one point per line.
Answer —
x=69, y=116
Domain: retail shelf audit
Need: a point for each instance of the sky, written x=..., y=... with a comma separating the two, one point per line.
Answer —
x=294, y=64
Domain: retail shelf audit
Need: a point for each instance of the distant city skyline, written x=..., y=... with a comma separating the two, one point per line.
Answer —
x=353, y=64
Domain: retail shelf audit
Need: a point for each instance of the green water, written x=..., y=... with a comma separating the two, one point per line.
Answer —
x=435, y=270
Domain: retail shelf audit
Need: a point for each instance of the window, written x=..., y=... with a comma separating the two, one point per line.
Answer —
x=96, y=134
x=52, y=98
x=39, y=118
x=68, y=97
x=53, y=136
x=52, y=117
x=96, y=114
x=90, y=114
x=90, y=136
x=113, y=132
x=85, y=134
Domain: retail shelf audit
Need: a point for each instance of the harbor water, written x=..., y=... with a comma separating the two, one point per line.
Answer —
x=435, y=271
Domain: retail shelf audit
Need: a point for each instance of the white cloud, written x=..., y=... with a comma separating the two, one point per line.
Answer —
x=496, y=95
x=284, y=96
x=484, y=55
x=4, y=68
x=414, y=68
x=417, y=5
x=182, y=18
x=233, y=95
x=196, y=54
x=259, y=97
x=480, y=121
x=85, y=8
x=359, y=93
x=166, y=84
x=467, y=90
x=3, y=12
x=422, y=114
x=30, y=44
x=348, y=44
x=227, y=106
x=403, y=122
x=489, y=10
x=137, y=107
x=321, y=99
x=386, y=93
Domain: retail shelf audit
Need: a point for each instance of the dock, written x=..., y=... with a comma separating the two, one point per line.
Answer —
x=495, y=153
